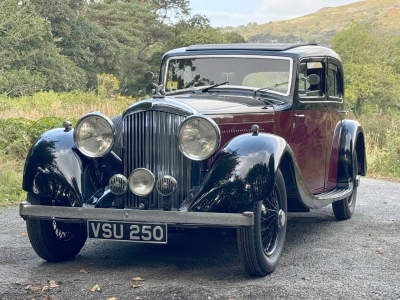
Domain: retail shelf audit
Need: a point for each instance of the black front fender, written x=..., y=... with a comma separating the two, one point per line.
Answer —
x=57, y=171
x=53, y=170
x=243, y=172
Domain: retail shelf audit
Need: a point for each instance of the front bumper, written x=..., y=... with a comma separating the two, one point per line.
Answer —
x=173, y=218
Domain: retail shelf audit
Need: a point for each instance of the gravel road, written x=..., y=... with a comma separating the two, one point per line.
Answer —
x=322, y=259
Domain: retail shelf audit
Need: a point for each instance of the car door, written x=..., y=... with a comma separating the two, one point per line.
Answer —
x=310, y=119
x=335, y=114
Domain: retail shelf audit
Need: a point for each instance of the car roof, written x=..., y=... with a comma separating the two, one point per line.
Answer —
x=281, y=49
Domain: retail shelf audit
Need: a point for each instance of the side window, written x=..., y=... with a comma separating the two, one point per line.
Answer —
x=334, y=83
x=306, y=89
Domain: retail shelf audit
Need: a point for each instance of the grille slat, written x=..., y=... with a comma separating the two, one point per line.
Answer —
x=150, y=141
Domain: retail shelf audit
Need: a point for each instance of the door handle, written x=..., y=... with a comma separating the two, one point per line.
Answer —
x=299, y=116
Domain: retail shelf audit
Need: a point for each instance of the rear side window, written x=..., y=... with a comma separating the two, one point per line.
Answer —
x=334, y=81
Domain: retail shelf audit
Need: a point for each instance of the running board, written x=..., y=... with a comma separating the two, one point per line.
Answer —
x=336, y=194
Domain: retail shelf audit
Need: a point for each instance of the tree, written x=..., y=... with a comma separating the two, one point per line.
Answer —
x=165, y=9
x=133, y=29
x=371, y=73
x=29, y=60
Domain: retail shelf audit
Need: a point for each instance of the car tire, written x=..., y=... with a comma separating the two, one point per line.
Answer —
x=344, y=209
x=261, y=245
x=54, y=241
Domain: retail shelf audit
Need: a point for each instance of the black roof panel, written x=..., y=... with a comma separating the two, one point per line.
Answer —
x=247, y=46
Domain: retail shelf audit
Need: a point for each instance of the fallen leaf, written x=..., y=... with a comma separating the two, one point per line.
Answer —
x=379, y=251
x=96, y=288
x=24, y=233
x=285, y=264
x=137, y=279
x=135, y=286
x=33, y=288
x=45, y=288
x=112, y=298
x=84, y=271
x=53, y=284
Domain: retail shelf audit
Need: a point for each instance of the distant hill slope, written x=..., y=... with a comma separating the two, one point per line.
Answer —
x=323, y=24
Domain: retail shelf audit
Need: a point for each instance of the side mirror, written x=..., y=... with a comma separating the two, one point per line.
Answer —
x=150, y=77
x=156, y=89
x=312, y=79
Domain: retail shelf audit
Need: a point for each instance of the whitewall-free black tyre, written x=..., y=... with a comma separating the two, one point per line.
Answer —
x=54, y=241
x=261, y=245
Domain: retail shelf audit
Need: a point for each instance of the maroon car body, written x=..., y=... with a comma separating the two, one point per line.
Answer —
x=234, y=136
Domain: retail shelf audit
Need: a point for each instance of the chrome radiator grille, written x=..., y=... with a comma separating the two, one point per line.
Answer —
x=150, y=141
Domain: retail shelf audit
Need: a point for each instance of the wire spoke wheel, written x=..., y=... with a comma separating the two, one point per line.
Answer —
x=64, y=231
x=261, y=245
x=269, y=223
x=53, y=240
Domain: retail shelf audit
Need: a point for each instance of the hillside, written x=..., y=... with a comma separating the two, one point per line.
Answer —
x=323, y=24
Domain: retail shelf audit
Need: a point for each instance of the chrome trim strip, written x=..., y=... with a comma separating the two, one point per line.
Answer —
x=169, y=106
x=317, y=99
x=116, y=156
x=164, y=77
x=81, y=214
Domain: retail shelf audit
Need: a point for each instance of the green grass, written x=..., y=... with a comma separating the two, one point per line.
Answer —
x=382, y=145
x=11, y=192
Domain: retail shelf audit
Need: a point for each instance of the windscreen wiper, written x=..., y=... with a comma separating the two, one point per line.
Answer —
x=206, y=89
x=268, y=88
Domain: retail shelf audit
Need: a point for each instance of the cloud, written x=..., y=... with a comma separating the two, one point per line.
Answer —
x=272, y=10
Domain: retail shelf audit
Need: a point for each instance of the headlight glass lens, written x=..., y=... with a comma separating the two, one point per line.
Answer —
x=94, y=135
x=141, y=182
x=199, y=138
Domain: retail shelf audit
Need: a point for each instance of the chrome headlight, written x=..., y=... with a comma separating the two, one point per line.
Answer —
x=199, y=137
x=94, y=134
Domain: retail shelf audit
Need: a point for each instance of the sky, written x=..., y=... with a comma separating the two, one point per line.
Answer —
x=241, y=12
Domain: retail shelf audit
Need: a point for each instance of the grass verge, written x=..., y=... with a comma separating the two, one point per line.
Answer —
x=11, y=192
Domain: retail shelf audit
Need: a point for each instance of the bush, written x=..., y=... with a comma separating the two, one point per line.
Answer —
x=382, y=144
x=17, y=135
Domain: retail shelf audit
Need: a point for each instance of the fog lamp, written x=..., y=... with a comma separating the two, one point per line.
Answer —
x=141, y=182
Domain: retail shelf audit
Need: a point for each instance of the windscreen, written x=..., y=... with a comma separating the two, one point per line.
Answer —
x=271, y=73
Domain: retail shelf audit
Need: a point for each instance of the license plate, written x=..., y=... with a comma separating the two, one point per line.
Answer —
x=128, y=232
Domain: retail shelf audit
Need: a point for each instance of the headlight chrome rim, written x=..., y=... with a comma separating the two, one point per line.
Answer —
x=150, y=187
x=217, y=134
x=77, y=129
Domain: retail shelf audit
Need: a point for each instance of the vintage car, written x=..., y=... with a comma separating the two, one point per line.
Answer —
x=234, y=136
